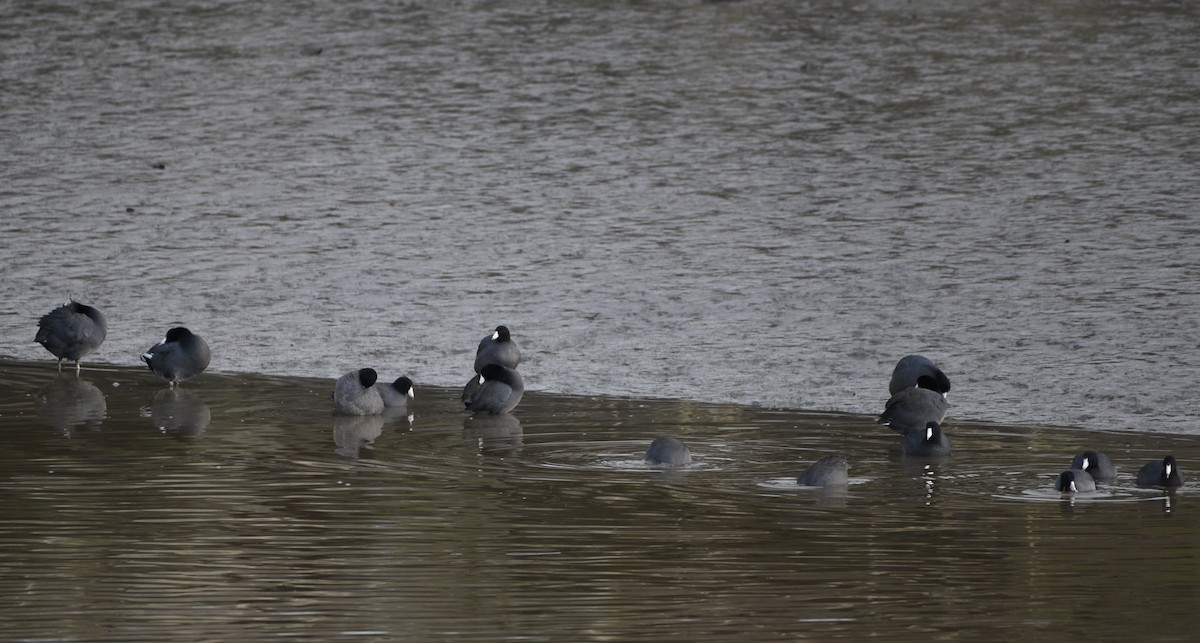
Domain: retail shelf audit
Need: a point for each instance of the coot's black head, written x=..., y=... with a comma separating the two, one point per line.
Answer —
x=403, y=385
x=501, y=334
x=932, y=431
x=935, y=381
x=178, y=334
x=1170, y=469
x=91, y=313
x=367, y=377
x=1066, y=481
x=1088, y=460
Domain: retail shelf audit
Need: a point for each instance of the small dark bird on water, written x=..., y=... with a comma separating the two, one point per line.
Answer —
x=830, y=471
x=1074, y=480
x=397, y=394
x=1160, y=473
x=668, y=450
x=71, y=331
x=927, y=442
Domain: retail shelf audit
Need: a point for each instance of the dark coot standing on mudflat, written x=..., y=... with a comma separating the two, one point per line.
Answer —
x=497, y=348
x=1164, y=473
x=926, y=442
x=181, y=355
x=397, y=394
x=918, y=371
x=500, y=390
x=1096, y=464
x=71, y=332
x=830, y=471
x=1074, y=480
x=355, y=393
x=668, y=450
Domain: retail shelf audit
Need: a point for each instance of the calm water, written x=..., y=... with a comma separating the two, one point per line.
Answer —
x=253, y=513
x=737, y=202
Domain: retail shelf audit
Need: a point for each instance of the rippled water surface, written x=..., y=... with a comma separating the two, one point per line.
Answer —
x=759, y=202
x=240, y=508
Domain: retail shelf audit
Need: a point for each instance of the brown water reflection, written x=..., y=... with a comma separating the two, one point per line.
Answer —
x=277, y=519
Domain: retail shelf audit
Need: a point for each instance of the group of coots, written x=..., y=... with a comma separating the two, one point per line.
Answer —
x=915, y=409
x=495, y=388
x=74, y=330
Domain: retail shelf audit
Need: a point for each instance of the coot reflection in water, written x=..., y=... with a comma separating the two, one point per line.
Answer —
x=179, y=412
x=550, y=508
x=68, y=402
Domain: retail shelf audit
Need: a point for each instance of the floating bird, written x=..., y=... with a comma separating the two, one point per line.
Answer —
x=71, y=332
x=1160, y=474
x=926, y=442
x=830, y=471
x=918, y=371
x=1074, y=480
x=500, y=389
x=668, y=450
x=1096, y=464
x=355, y=394
x=397, y=394
x=497, y=348
x=181, y=355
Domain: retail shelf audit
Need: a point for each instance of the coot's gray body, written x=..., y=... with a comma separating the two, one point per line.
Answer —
x=829, y=471
x=668, y=450
x=499, y=392
x=71, y=332
x=180, y=356
x=1074, y=480
x=355, y=394
x=1098, y=465
x=913, y=409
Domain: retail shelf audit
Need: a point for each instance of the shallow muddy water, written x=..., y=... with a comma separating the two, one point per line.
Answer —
x=760, y=202
x=240, y=508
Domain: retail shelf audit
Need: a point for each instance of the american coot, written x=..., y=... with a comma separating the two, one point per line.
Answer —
x=1074, y=480
x=181, y=355
x=497, y=348
x=918, y=371
x=398, y=393
x=926, y=442
x=912, y=409
x=355, y=394
x=1160, y=474
x=1096, y=464
x=668, y=450
x=71, y=331
x=500, y=390
x=827, y=472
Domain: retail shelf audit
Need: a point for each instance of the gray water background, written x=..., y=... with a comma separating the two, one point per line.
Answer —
x=757, y=202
